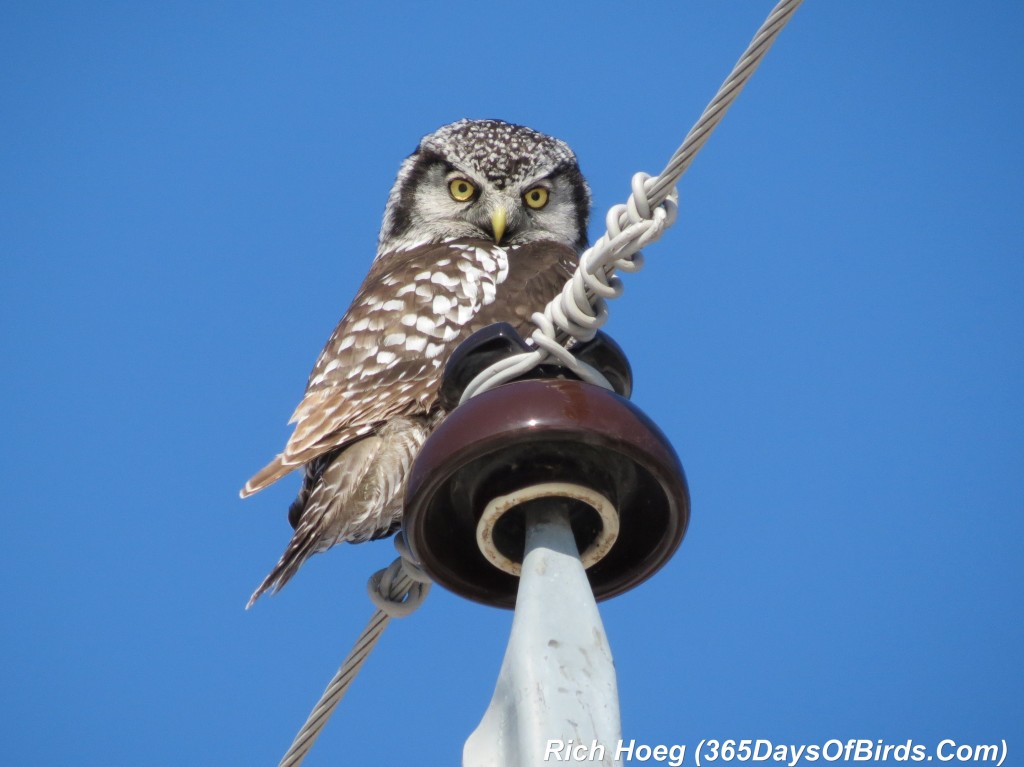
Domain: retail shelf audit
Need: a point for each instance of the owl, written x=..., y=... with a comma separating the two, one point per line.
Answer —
x=485, y=223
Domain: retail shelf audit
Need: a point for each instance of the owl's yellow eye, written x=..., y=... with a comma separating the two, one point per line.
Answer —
x=536, y=198
x=461, y=190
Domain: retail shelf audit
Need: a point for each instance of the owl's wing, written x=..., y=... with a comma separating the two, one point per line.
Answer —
x=384, y=358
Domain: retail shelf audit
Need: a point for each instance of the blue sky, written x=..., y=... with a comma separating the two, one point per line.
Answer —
x=832, y=336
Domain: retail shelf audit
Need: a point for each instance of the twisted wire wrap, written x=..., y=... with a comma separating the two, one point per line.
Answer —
x=575, y=314
x=581, y=308
x=401, y=587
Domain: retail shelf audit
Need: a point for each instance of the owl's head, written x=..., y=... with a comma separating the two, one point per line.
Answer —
x=487, y=179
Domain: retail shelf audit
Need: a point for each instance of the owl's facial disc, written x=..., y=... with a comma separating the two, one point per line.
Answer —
x=487, y=179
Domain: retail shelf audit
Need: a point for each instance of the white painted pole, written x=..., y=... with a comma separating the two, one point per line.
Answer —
x=556, y=700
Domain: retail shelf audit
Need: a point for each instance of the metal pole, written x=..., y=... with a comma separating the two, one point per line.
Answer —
x=556, y=700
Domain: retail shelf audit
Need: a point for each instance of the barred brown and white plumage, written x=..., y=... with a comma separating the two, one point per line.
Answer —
x=485, y=223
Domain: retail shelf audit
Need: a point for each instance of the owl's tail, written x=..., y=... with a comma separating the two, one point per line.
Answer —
x=357, y=497
x=301, y=547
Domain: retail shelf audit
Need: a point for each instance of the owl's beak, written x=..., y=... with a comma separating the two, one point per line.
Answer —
x=498, y=220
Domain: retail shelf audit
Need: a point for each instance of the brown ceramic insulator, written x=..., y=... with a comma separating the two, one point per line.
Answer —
x=529, y=432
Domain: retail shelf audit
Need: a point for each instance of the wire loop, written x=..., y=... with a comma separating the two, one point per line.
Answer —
x=580, y=309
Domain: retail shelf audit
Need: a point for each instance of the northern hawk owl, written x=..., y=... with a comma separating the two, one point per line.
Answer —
x=484, y=224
